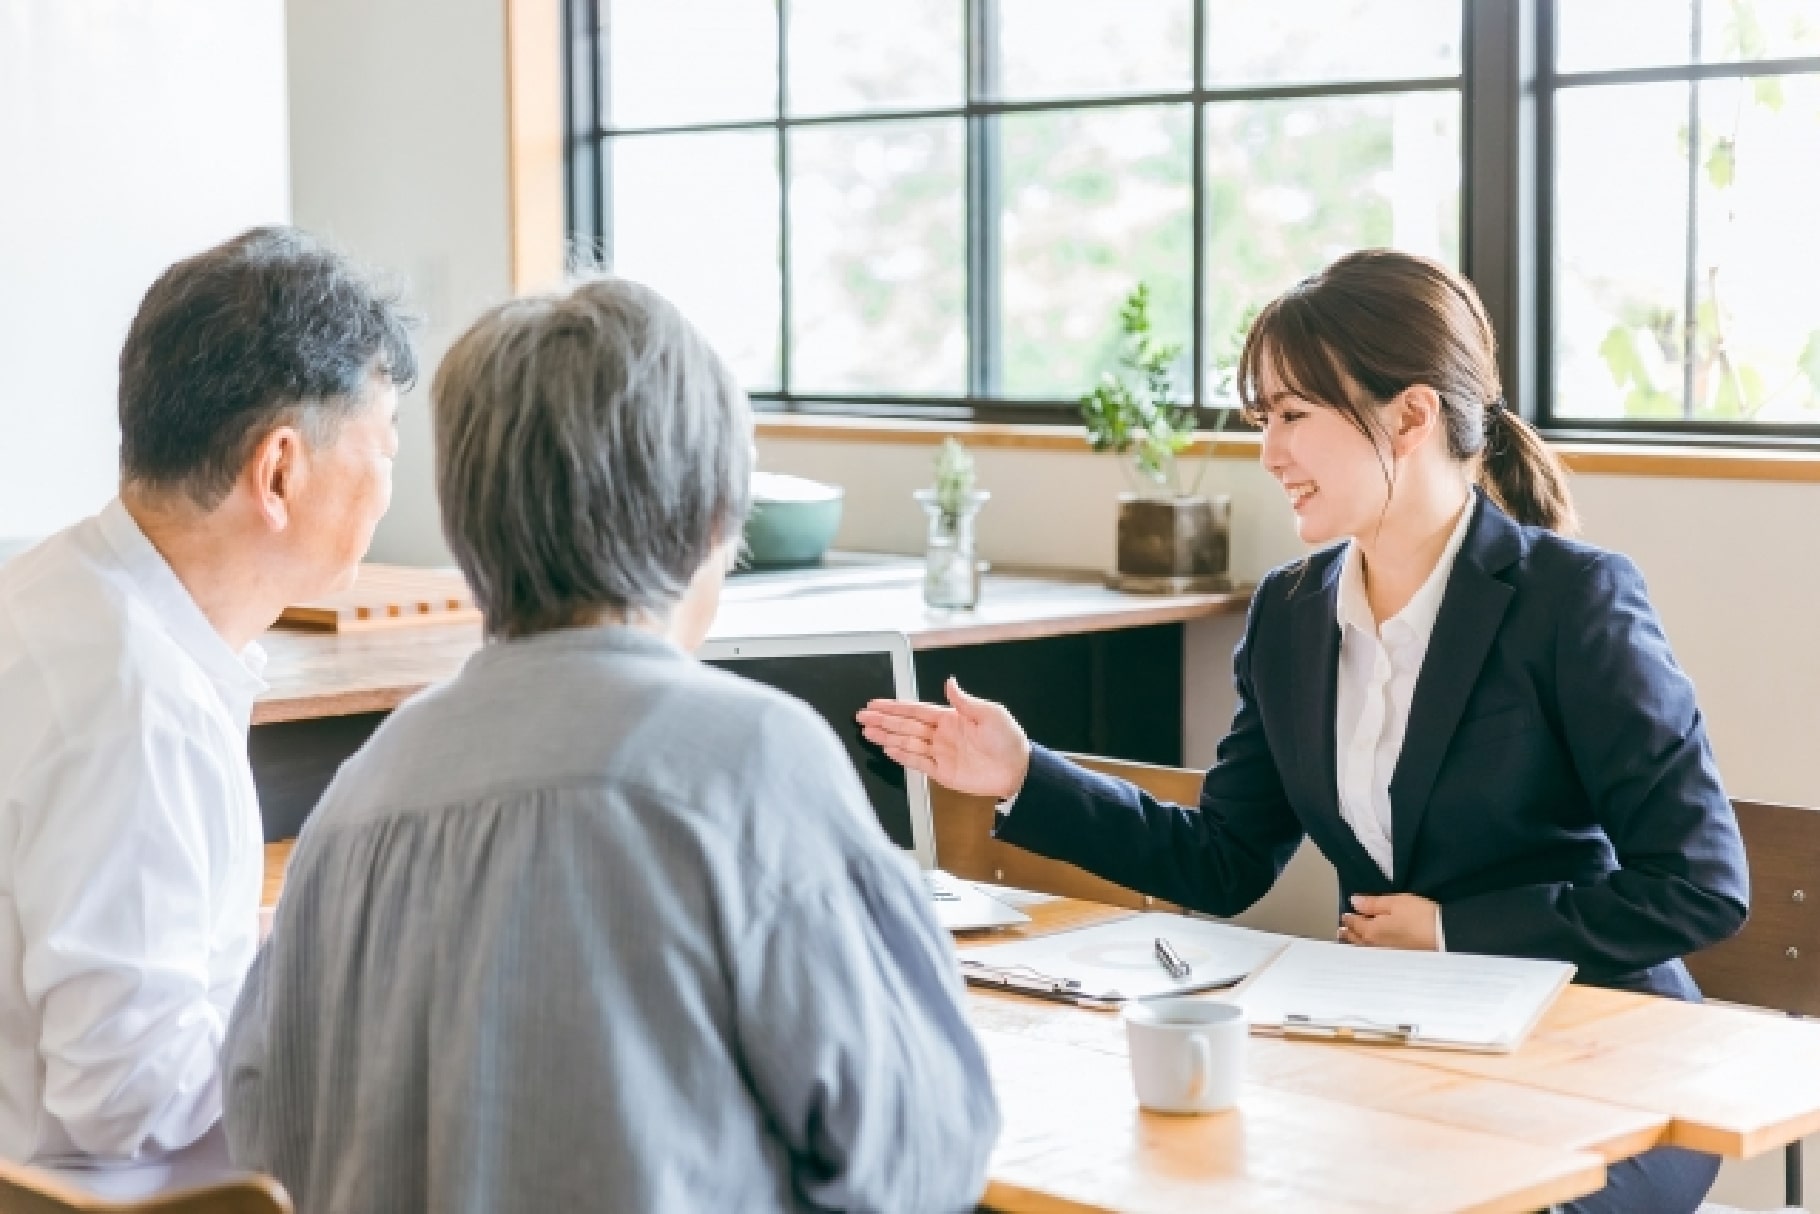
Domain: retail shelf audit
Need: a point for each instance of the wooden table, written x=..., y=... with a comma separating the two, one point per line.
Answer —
x=1332, y=1127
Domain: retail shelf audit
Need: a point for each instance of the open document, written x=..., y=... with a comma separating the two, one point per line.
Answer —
x=1119, y=960
x=1461, y=1001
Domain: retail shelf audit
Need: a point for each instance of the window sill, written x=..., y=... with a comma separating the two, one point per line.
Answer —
x=1586, y=459
x=1002, y=435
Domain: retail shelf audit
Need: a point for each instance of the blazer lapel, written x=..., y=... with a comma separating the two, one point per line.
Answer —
x=1472, y=609
x=1315, y=634
x=1315, y=631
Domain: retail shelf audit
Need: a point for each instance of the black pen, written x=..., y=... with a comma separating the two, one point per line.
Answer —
x=1172, y=960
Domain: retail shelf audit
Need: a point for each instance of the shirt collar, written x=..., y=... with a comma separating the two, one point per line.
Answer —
x=596, y=638
x=236, y=676
x=1418, y=615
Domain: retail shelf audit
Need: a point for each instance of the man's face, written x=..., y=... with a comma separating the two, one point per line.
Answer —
x=348, y=489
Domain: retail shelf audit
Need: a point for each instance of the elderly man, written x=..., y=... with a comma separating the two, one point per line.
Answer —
x=594, y=926
x=257, y=393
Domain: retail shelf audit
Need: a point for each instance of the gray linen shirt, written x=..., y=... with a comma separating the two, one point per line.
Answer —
x=593, y=926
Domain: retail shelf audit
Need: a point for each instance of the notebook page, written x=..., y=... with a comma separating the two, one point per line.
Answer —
x=1459, y=999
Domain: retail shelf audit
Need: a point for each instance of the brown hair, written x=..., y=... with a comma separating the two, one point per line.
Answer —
x=1386, y=321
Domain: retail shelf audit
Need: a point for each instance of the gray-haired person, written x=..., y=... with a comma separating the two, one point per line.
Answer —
x=592, y=925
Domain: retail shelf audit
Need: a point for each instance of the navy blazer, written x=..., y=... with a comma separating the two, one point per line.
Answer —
x=1556, y=793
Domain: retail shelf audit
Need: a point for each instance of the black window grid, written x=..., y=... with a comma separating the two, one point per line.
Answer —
x=1550, y=84
x=1508, y=85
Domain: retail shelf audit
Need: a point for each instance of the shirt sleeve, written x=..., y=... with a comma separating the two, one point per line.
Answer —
x=850, y=1013
x=852, y=1027
x=117, y=861
x=243, y=1070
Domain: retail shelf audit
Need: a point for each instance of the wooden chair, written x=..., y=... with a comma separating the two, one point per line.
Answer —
x=1774, y=962
x=27, y=1190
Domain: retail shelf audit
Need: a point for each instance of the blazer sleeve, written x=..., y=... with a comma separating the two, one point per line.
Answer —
x=1638, y=743
x=1219, y=858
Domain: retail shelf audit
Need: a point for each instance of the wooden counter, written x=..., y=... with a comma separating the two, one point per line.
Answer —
x=315, y=675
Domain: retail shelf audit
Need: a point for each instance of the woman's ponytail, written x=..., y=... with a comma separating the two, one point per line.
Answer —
x=1522, y=473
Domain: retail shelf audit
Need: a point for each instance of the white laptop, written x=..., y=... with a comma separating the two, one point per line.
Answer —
x=836, y=674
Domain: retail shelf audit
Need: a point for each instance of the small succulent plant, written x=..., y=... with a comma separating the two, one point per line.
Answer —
x=953, y=480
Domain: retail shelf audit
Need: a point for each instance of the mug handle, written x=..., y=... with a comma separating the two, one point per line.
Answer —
x=1201, y=1070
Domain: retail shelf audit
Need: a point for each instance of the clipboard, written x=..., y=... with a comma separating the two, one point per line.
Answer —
x=1451, y=1001
x=1069, y=990
x=1032, y=983
x=1109, y=964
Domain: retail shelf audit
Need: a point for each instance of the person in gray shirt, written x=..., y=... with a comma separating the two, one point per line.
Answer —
x=592, y=925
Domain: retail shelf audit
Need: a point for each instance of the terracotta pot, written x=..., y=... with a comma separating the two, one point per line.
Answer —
x=1171, y=545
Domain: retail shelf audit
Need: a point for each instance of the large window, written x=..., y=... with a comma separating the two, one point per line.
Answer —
x=934, y=207
x=1686, y=174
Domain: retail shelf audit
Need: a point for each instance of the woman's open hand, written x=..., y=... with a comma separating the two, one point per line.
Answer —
x=974, y=746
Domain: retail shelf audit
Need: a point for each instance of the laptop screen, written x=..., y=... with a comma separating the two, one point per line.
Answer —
x=837, y=685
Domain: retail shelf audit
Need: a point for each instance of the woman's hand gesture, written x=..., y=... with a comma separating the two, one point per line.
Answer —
x=974, y=746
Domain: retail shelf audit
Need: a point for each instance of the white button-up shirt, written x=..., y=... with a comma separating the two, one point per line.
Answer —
x=1377, y=681
x=131, y=851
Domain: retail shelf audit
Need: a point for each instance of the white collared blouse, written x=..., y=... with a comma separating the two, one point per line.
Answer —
x=1379, y=665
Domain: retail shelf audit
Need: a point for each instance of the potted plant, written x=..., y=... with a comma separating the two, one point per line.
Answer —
x=950, y=572
x=1171, y=537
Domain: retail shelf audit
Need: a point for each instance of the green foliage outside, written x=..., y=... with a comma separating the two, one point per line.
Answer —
x=1094, y=200
x=1290, y=186
x=1649, y=347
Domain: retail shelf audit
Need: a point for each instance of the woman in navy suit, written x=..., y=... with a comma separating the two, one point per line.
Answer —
x=1476, y=719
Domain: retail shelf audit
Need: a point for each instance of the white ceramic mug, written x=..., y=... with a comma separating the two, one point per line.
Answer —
x=1187, y=1055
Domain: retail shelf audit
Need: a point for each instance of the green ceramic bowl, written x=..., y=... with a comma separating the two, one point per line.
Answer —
x=793, y=521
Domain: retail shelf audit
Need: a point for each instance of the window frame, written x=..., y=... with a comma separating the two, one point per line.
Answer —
x=1549, y=84
x=1507, y=88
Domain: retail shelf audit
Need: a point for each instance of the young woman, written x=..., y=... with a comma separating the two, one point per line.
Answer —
x=1476, y=719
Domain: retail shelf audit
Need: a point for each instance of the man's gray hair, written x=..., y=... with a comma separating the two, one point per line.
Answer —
x=591, y=452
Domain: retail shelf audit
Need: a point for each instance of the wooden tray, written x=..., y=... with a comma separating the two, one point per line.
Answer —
x=388, y=596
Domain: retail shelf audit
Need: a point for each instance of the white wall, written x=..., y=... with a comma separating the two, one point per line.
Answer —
x=398, y=136
x=132, y=133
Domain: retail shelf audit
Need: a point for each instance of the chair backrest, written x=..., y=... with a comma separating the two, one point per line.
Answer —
x=1775, y=961
x=965, y=847
x=28, y=1190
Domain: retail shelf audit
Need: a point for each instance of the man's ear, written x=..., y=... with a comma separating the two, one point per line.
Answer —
x=273, y=474
x=1415, y=413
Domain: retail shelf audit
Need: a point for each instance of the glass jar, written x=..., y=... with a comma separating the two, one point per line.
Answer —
x=951, y=574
